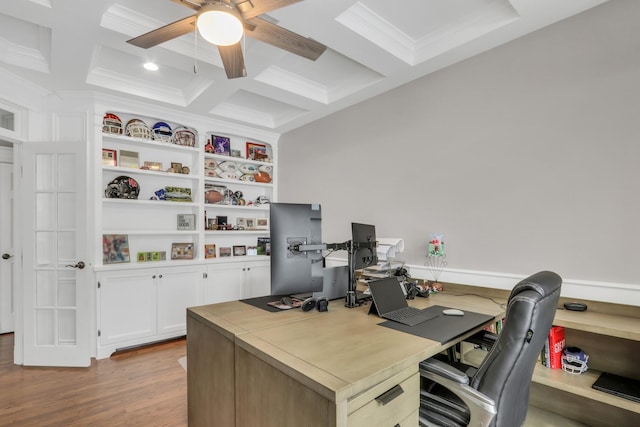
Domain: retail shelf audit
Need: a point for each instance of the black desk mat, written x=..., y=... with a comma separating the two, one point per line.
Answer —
x=262, y=302
x=442, y=328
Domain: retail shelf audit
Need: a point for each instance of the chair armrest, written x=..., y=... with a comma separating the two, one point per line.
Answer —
x=482, y=408
x=484, y=338
x=445, y=370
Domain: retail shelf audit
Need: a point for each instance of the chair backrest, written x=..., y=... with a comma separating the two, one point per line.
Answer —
x=505, y=374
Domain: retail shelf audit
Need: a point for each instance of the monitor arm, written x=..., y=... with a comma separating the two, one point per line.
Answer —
x=351, y=248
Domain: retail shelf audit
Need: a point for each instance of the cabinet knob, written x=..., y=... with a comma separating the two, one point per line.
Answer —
x=160, y=276
x=153, y=277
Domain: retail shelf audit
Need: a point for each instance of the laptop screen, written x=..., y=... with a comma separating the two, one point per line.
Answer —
x=387, y=294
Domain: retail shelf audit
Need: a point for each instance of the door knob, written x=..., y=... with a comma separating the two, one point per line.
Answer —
x=79, y=265
x=6, y=256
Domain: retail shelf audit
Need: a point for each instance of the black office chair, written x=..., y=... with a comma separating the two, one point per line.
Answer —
x=497, y=393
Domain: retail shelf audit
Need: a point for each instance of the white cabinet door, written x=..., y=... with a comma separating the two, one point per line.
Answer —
x=126, y=305
x=257, y=279
x=224, y=283
x=177, y=289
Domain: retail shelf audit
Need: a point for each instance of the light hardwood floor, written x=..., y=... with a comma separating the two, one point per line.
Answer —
x=143, y=387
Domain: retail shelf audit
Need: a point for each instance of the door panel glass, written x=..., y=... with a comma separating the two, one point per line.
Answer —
x=66, y=248
x=45, y=327
x=7, y=119
x=67, y=289
x=44, y=211
x=44, y=172
x=67, y=327
x=45, y=288
x=66, y=172
x=66, y=210
x=44, y=248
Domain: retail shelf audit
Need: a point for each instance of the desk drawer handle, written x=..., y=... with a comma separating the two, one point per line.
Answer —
x=390, y=394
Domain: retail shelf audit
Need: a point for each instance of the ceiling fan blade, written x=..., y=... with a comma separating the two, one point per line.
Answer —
x=166, y=33
x=233, y=60
x=284, y=39
x=251, y=8
x=190, y=4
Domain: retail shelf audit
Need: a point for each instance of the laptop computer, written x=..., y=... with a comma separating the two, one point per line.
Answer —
x=335, y=283
x=626, y=388
x=390, y=303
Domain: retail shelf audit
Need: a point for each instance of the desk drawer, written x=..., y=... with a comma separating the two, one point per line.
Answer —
x=389, y=404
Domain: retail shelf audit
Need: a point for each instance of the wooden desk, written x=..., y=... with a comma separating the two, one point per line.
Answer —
x=250, y=367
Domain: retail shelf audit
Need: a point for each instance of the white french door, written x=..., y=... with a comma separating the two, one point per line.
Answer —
x=56, y=298
x=6, y=248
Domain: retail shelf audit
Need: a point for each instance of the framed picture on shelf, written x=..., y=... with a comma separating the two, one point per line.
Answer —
x=182, y=251
x=109, y=157
x=129, y=159
x=221, y=222
x=251, y=223
x=186, y=221
x=225, y=251
x=211, y=224
x=264, y=246
x=241, y=223
x=239, y=250
x=221, y=145
x=236, y=153
x=262, y=224
x=152, y=166
x=256, y=151
x=115, y=248
x=177, y=194
x=210, y=251
x=176, y=167
x=158, y=256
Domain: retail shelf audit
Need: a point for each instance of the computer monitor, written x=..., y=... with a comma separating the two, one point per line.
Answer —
x=363, y=242
x=296, y=248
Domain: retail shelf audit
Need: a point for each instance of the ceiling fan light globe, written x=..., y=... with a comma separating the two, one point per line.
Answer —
x=220, y=26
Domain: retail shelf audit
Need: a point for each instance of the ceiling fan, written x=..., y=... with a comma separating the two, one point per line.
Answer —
x=236, y=17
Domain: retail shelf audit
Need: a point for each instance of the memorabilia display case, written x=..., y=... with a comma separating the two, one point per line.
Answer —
x=176, y=201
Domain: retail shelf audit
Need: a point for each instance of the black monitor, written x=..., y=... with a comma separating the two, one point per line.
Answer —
x=296, y=248
x=363, y=243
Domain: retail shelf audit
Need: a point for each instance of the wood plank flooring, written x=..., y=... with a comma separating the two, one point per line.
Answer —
x=142, y=387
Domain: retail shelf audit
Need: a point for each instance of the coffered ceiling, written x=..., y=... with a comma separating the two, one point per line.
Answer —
x=373, y=46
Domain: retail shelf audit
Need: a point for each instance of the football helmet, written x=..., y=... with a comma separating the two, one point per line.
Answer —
x=184, y=136
x=136, y=128
x=162, y=132
x=111, y=124
x=574, y=360
x=122, y=187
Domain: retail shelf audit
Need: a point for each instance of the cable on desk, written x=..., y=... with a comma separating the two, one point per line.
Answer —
x=500, y=304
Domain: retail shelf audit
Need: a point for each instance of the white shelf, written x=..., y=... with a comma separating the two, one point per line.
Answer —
x=154, y=203
x=236, y=232
x=146, y=172
x=147, y=142
x=254, y=208
x=211, y=180
x=152, y=232
x=236, y=159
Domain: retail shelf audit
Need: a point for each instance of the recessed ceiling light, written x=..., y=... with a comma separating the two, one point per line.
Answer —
x=150, y=66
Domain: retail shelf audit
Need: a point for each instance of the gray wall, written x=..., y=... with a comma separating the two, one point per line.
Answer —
x=525, y=157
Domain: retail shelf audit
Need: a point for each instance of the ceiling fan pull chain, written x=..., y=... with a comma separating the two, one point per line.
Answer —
x=195, y=54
